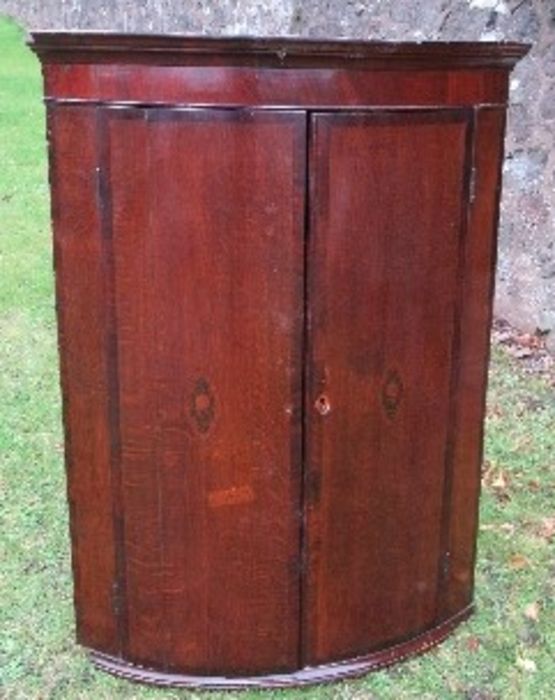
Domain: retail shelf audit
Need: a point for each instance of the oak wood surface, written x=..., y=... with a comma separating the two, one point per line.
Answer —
x=209, y=306
x=83, y=326
x=476, y=304
x=319, y=88
x=281, y=52
x=387, y=204
x=274, y=275
x=308, y=675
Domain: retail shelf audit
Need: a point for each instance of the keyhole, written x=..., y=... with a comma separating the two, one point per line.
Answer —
x=322, y=405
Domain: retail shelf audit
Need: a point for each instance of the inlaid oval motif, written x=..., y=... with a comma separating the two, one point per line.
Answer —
x=202, y=405
x=392, y=393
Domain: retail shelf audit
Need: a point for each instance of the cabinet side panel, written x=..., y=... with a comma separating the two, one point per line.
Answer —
x=207, y=229
x=82, y=321
x=387, y=216
x=477, y=295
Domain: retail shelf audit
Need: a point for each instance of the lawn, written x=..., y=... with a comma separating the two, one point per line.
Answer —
x=505, y=651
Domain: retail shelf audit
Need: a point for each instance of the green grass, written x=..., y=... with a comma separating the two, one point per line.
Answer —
x=489, y=657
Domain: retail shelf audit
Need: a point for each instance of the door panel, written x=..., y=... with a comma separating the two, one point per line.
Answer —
x=387, y=200
x=207, y=219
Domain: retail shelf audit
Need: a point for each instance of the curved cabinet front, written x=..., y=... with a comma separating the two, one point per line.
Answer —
x=389, y=195
x=184, y=292
x=273, y=335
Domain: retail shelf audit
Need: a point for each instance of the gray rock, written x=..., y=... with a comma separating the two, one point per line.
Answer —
x=547, y=105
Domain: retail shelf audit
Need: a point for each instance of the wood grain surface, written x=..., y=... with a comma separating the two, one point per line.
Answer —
x=277, y=52
x=476, y=292
x=387, y=210
x=237, y=86
x=274, y=277
x=83, y=325
x=209, y=275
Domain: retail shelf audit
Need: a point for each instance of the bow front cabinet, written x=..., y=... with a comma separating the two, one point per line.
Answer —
x=274, y=266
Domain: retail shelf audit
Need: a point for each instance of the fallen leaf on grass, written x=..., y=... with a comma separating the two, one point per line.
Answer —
x=547, y=528
x=506, y=528
x=525, y=345
x=496, y=479
x=532, y=611
x=526, y=664
x=518, y=561
x=473, y=643
x=530, y=340
x=500, y=482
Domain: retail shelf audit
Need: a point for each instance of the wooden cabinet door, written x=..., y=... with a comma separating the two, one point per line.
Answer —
x=200, y=248
x=388, y=199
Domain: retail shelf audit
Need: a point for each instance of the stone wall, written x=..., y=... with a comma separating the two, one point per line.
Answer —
x=526, y=275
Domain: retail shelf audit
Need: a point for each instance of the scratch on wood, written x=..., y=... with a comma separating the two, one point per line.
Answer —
x=235, y=495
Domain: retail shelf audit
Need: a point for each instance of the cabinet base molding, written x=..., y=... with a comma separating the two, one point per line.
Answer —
x=309, y=675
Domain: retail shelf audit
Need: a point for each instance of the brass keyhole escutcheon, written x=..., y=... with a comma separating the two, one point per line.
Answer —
x=322, y=405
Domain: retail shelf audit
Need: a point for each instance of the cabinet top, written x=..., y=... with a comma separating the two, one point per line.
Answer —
x=179, y=49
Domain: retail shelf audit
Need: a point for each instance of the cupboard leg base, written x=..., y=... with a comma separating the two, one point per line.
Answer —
x=309, y=675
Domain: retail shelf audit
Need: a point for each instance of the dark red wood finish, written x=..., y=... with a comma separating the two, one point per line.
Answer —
x=209, y=278
x=274, y=264
x=277, y=52
x=84, y=338
x=476, y=303
x=308, y=675
x=272, y=72
x=237, y=86
x=387, y=203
